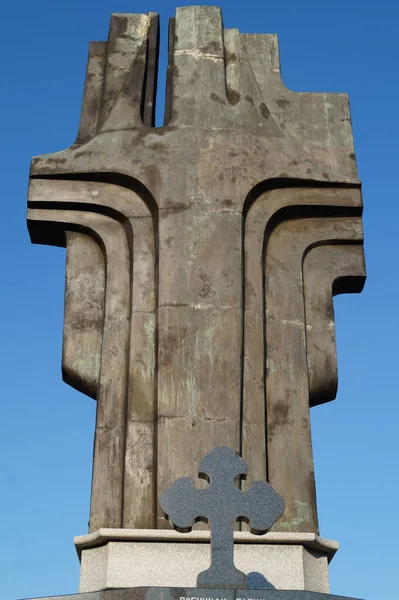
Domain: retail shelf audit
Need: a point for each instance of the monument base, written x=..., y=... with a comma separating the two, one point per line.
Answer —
x=127, y=558
x=197, y=594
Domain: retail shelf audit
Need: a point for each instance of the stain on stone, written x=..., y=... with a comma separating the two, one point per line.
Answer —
x=83, y=153
x=170, y=345
x=139, y=358
x=249, y=99
x=119, y=25
x=280, y=414
x=283, y=103
x=153, y=176
x=212, y=47
x=234, y=97
x=264, y=111
x=175, y=207
x=230, y=57
x=217, y=98
x=300, y=514
x=166, y=129
x=195, y=76
x=250, y=293
x=206, y=290
x=158, y=147
x=56, y=161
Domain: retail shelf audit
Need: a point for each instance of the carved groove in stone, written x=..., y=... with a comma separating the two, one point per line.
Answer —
x=278, y=257
x=126, y=404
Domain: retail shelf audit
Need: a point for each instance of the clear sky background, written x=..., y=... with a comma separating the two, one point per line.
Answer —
x=47, y=428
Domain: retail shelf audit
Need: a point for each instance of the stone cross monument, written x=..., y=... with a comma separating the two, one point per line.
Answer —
x=220, y=505
x=202, y=258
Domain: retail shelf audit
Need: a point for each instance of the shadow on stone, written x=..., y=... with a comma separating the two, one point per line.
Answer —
x=256, y=581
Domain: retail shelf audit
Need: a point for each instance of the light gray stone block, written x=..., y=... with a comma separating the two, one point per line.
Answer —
x=112, y=558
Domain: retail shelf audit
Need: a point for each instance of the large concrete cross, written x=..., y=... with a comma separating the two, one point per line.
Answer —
x=202, y=257
x=220, y=505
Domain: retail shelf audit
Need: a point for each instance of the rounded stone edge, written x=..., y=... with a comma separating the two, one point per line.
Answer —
x=102, y=536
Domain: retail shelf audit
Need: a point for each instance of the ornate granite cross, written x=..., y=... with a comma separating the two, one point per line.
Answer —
x=222, y=504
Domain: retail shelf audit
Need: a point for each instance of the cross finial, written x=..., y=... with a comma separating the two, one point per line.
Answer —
x=221, y=504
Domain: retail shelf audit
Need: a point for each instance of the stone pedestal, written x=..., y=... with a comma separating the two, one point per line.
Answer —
x=123, y=558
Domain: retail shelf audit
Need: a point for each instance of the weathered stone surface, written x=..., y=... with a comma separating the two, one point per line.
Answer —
x=202, y=257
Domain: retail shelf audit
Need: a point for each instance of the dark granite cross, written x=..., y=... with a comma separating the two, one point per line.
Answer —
x=221, y=504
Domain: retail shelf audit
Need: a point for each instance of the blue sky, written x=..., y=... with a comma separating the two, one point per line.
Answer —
x=47, y=428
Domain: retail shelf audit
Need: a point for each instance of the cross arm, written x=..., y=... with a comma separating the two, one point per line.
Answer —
x=181, y=503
